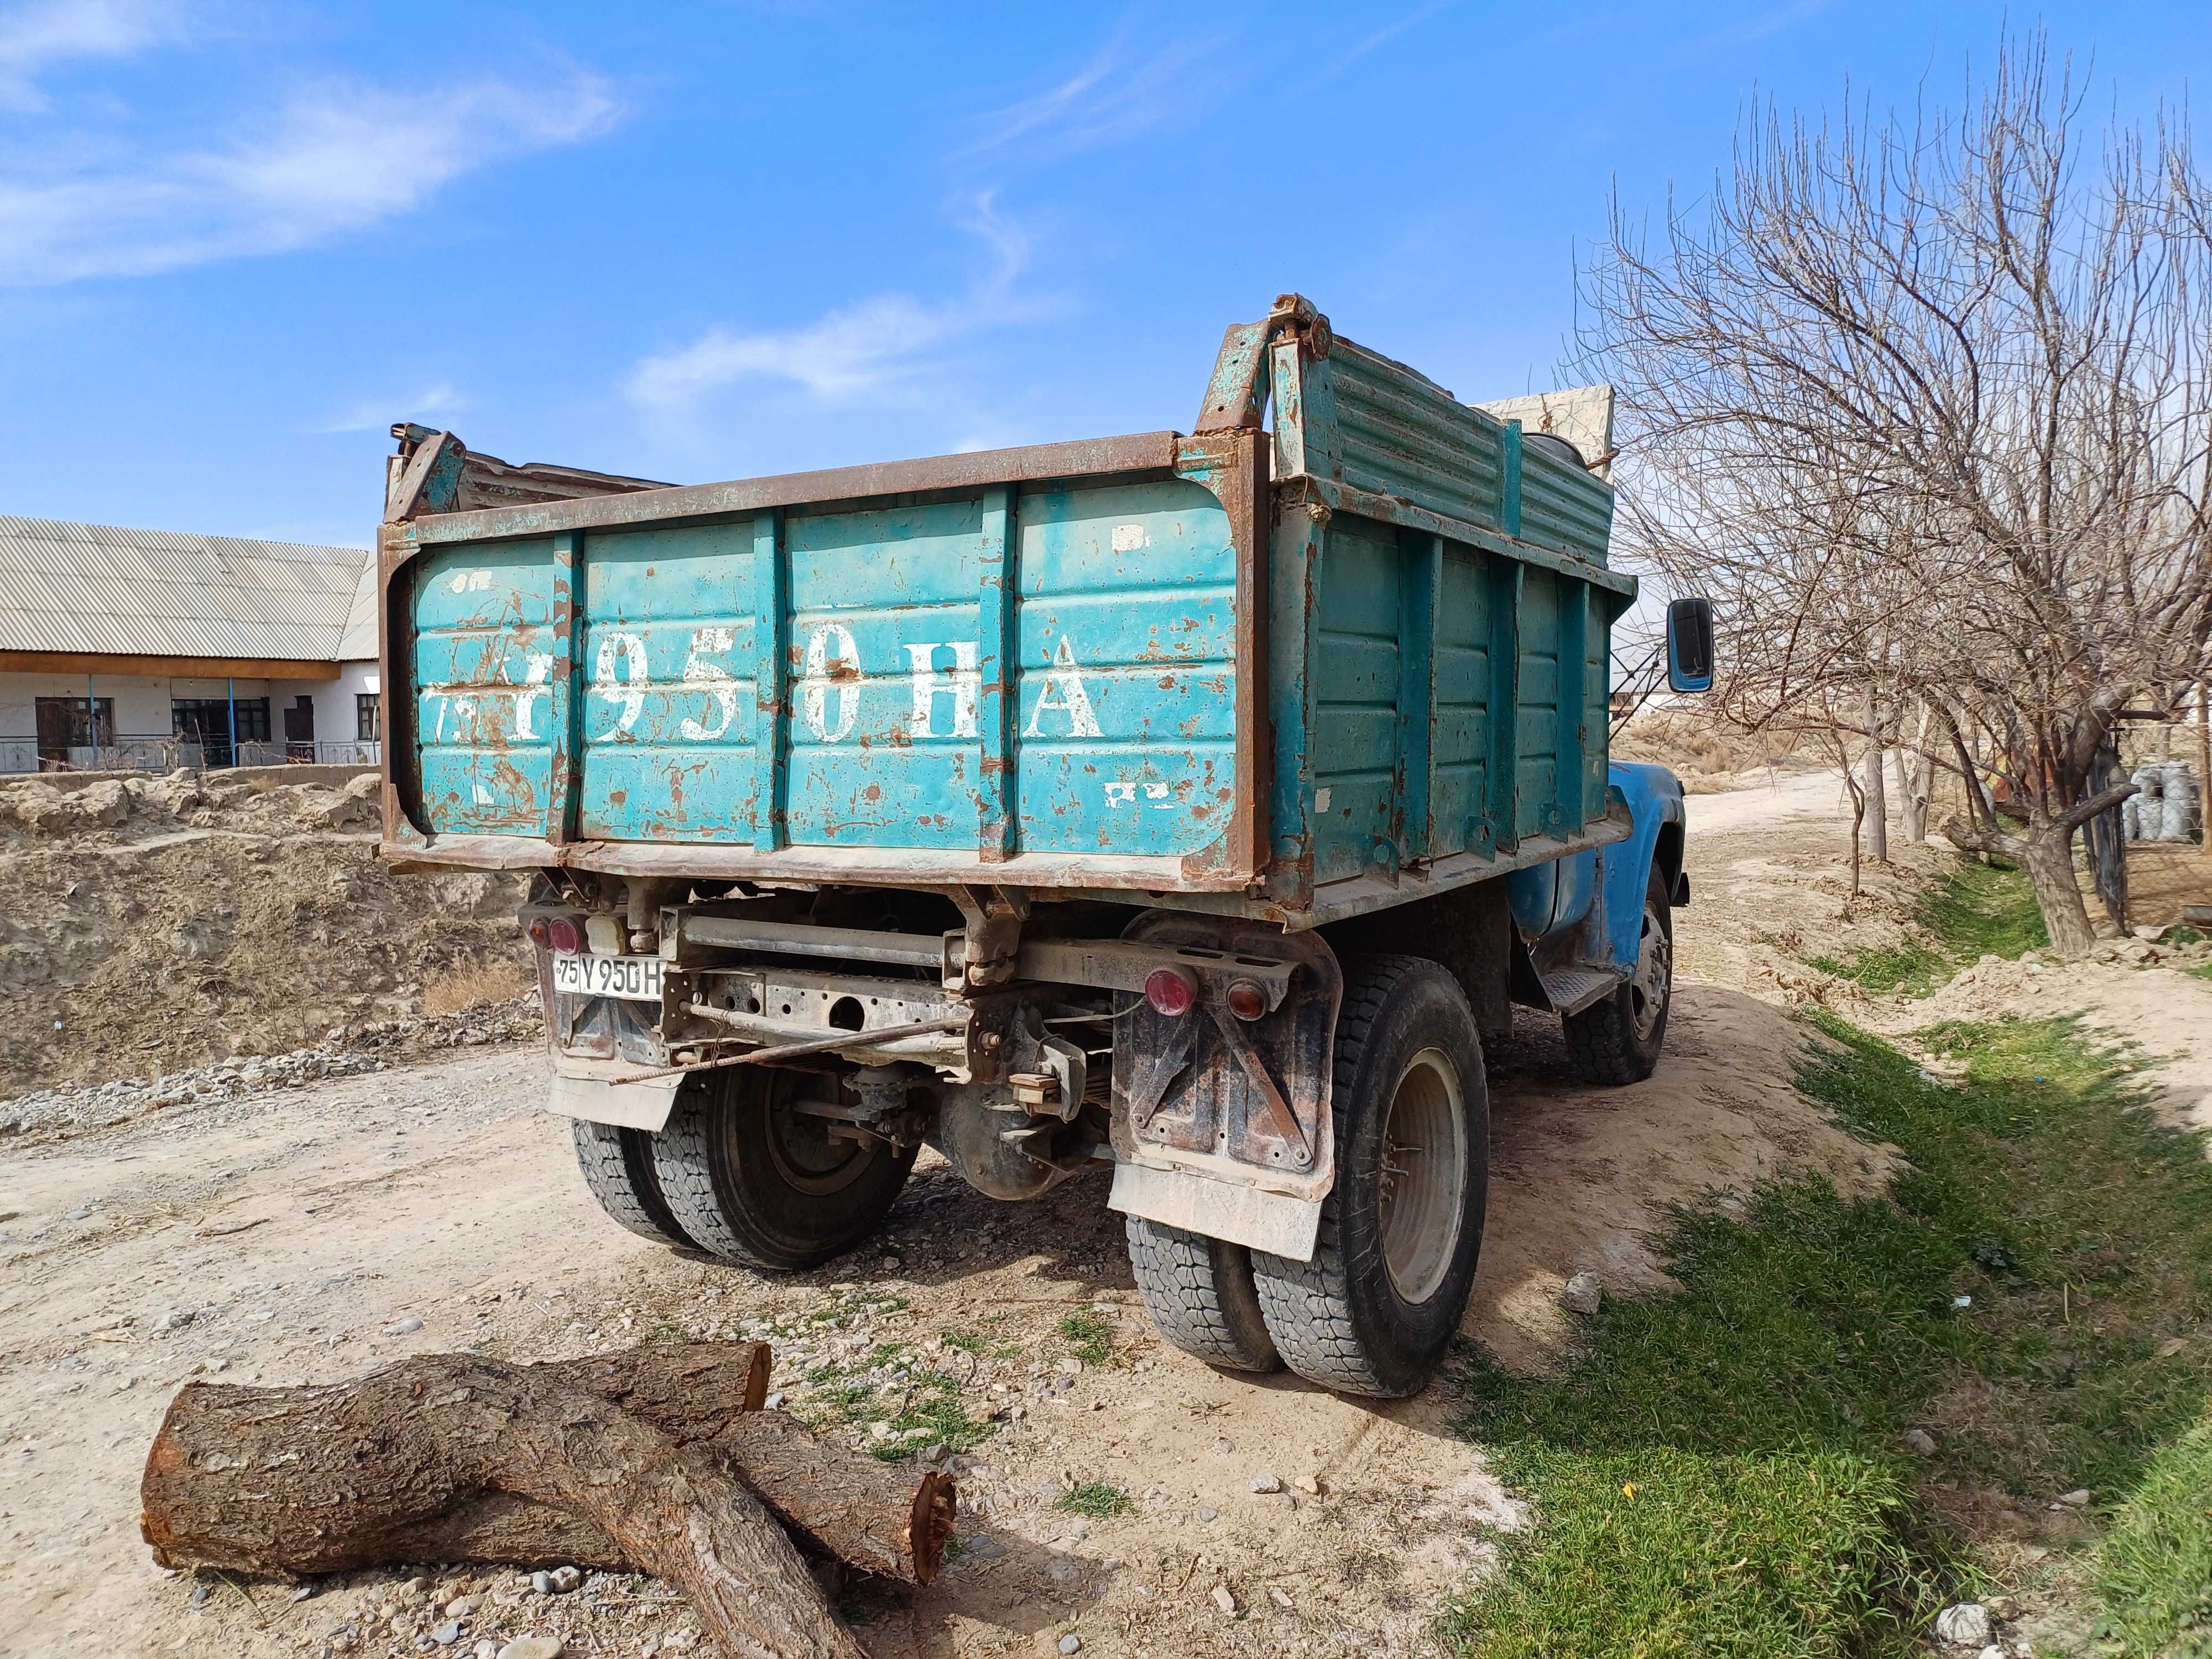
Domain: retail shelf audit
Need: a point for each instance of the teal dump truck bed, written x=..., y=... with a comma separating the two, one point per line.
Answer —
x=1290, y=672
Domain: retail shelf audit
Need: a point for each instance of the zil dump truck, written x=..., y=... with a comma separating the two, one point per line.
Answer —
x=1191, y=805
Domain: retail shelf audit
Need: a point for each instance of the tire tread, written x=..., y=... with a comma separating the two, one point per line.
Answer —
x=618, y=1168
x=1190, y=1285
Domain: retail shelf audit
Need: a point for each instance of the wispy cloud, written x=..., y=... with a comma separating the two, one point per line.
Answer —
x=862, y=349
x=1760, y=26
x=45, y=36
x=1121, y=93
x=1377, y=39
x=335, y=158
x=374, y=414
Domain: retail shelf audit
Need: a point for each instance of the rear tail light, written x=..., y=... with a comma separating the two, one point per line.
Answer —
x=563, y=936
x=541, y=932
x=1171, y=991
x=1246, y=999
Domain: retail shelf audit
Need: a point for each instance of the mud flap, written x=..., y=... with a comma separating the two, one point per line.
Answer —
x=1242, y=1214
x=628, y=1105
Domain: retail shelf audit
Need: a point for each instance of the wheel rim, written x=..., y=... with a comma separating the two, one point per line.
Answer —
x=1654, y=979
x=803, y=1153
x=1424, y=1175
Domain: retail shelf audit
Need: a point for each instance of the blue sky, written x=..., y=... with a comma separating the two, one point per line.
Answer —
x=700, y=241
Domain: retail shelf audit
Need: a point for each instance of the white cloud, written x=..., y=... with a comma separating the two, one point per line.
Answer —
x=375, y=414
x=40, y=36
x=858, y=349
x=338, y=157
x=1119, y=94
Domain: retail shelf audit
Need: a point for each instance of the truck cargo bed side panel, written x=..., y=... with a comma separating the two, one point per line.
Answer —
x=484, y=656
x=1126, y=696
x=670, y=710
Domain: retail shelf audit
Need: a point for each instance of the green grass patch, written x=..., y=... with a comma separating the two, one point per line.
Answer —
x=1723, y=1470
x=966, y=1341
x=2154, y=1563
x=1098, y=1499
x=1089, y=1336
x=1978, y=909
x=2205, y=972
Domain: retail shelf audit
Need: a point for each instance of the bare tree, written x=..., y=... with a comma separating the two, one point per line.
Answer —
x=1924, y=406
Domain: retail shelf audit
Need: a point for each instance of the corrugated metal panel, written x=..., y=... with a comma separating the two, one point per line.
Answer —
x=84, y=588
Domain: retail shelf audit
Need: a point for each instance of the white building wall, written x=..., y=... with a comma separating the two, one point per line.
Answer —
x=335, y=712
x=142, y=712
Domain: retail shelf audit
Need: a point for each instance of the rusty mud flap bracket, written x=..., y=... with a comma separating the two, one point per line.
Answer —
x=1221, y=1125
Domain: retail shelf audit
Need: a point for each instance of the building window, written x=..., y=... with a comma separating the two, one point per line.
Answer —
x=207, y=721
x=67, y=723
x=365, y=715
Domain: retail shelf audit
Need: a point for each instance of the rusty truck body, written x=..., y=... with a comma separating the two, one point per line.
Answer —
x=1192, y=803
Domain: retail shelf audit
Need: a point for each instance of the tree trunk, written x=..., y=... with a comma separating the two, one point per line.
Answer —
x=2204, y=767
x=1877, y=802
x=1915, y=776
x=2047, y=850
x=322, y=1479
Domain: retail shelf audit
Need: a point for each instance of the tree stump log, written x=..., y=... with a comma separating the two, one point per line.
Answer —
x=324, y=1479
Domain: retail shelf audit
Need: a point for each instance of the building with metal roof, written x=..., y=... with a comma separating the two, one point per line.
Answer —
x=153, y=648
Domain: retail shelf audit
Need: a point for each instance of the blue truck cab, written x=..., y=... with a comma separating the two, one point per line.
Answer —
x=1193, y=805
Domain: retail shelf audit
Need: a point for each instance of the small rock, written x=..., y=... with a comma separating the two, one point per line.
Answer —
x=1209, y=1517
x=542, y=1583
x=1225, y=1447
x=1276, y=1594
x=1583, y=1294
x=562, y=1580
x=1920, y=1441
x=532, y=1647
x=461, y=1607
x=199, y=1595
x=1268, y=1484
x=1995, y=1650
x=1310, y=1483
x=1071, y=1642
x=174, y=1319
x=984, y=1547
x=406, y=1326
x=447, y=1633
x=1963, y=1624
x=1224, y=1599
x=1068, y=1365
x=486, y=1649
x=80, y=1215
x=2075, y=1498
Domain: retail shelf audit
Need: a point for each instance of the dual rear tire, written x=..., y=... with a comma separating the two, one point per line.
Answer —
x=736, y=1173
x=1375, y=1310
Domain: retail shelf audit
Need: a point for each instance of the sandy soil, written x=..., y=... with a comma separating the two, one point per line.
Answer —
x=305, y=1233
x=148, y=925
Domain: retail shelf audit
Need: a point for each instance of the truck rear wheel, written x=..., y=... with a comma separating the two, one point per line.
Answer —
x=1199, y=1293
x=618, y=1166
x=1400, y=1231
x=752, y=1181
x=1618, y=1041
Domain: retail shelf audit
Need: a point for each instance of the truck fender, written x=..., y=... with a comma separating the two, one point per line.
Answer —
x=1655, y=806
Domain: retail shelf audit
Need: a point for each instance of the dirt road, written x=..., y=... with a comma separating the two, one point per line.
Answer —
x=311, y=1235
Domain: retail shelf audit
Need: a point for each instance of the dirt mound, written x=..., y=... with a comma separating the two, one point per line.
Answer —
x=150, y=925
x=1705, y=751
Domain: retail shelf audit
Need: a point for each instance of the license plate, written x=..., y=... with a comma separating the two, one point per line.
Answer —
x=637, y=978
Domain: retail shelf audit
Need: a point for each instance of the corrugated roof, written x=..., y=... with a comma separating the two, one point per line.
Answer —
x=95, y=587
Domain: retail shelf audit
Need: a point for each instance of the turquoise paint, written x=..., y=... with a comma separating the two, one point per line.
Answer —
x=1054, y=667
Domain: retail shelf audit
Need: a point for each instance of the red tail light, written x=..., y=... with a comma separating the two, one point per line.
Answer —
x=1246, y=999
x=541, y=934
x=1171, y=991
x=564, y=936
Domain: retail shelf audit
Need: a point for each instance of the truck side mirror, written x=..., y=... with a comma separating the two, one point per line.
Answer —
x=1690, y=645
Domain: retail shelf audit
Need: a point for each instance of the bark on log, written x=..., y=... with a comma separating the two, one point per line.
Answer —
x=873, y=1515
x=318, y=1479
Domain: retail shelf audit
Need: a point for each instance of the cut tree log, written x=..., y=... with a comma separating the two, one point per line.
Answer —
x=320, y=1479
x=873, y=1515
